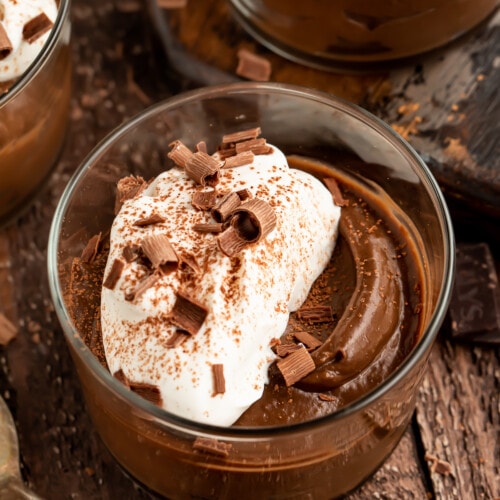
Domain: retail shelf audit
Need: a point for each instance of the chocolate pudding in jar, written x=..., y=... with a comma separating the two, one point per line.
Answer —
x=251, y=308
x=356, y=34
x=35, y=84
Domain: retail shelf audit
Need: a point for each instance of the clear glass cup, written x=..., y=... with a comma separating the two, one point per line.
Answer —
x=356, y=34
x=318, y=459
x=33, y=119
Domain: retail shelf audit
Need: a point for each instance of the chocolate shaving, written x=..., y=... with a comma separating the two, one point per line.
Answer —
x=158, y=249
x=296, y=366
x=176, y=339
x=7, y=330
x=256, y=146
x=203, y=169
x=252, y=66
x=315, y=314
x=90, y=251
x=131, y=253
x=226, y=151
x=307, y=339
x=204, y=200
x=335, y=191
x=253, y=220
x=147, y=391
x=127, y=188
x=172, y=4
x=210, y=227
x=283, y=350
x=114, y=274
x=5, y=43
x=219, y=380
x=180, y=153
x=238, y=160
x=230, y=242
x=212, y=446
x=143, y=285
x=36, y=27
x=242, y=135
x=188, y=314
x=148, y=221
x=226, y=207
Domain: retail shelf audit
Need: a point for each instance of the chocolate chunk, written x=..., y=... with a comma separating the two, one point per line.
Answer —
x=219, y=380
x=209, y=227
x=5, y=43
x=204, y=200
x=36, y=27
x=254, y=220
x=315, y=314
x=335, y=191
x=150, y=220
x=114, y=274
x=158, y=249
x=226, y=207
x=296, y=366
x=242, y=135
x=188, y=314
x=212, y=446
x=239, y=159
x=7, y=330
x=252, y=66
x=474, y=308
x=90, y=251
x=203, y=168
x=179, y=153
x=307, y=339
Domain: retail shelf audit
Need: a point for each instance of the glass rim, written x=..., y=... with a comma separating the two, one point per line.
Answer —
x=36, y=65
x=224, y=90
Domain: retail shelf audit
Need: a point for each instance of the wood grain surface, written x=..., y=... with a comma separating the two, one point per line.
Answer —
x=452, y=447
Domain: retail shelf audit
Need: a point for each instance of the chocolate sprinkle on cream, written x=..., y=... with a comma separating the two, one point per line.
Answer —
x=296, y=366
x=158, y=249
x=114, y=274
x=5, y=43
x=90, y=251
x=188, y=314
x=254, y=220
x=204, y=200
x=180, y=153
x=36, y=27
x=226, y=207
x=219, y=380
x=148, y=221
x=212, y=446
x=7, y=330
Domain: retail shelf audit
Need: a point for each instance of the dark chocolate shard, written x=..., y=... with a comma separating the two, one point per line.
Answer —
x=127, y=188
x=91, y=248
x=474, y=308
x=143, y=285
x=131, y=253
x=114, y=274
x=188, y=314
x=253, y=66
x=36, y=27
x=209, y=227
x=120, y=376
x=212, y=446
x=296, y=366
x=283, y=350
x=176, y=339
x=219, y=380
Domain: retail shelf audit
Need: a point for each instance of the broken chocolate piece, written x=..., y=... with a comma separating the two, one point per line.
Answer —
x=315, y=314
x=296, y=366
x=230, y=242
x=212, y=446
x=7, y=330
x=219, y=380
x=335, y=191
x=226, y=207
x=204, y=200
x=209, y=227
x=179, y=153
x=203, y=169
x=147, y=391
x=239, y=159
x=242, y=135
x=307, y=339
x=474, y=308
x=150, y=220
x=188, y=314
x=90, y=251
x=252, y=66
x=253, y=220
x=5, y=43
x=114, y=274
x=158, y=249
x=36, y=27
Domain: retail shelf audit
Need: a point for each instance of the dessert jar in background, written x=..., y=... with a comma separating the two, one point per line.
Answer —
x=33, y=118
x=320, y=458
x=355, y=34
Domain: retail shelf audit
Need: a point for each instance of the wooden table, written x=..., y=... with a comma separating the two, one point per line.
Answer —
x=119, y=69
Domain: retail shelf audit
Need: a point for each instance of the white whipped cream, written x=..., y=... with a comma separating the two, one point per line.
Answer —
x=16, y=13
x=248, y=305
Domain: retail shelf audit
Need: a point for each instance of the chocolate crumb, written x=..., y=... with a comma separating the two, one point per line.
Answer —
x=90, y=251
x=244, y=194
x=187, y=260
x=202, y=146
x=327, y=397
x=36, y=27
x=212, y=446
x=188, y=314
x=7, y=330
x=219, y=380
x=437, y=465
x=253, y=66
x=114, y=274
x=143, y=285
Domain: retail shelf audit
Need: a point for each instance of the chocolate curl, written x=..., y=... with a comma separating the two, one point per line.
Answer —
x=36, y=27
x=5, y=43
x=253, y=220
x=230, y=242
x=158, y=249
x=226, y=206
x=203, y=168
x=179, y=153
x=204, y=200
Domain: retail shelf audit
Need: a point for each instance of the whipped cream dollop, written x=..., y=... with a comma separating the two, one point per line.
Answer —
x=248, y=297
x=14, y=14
